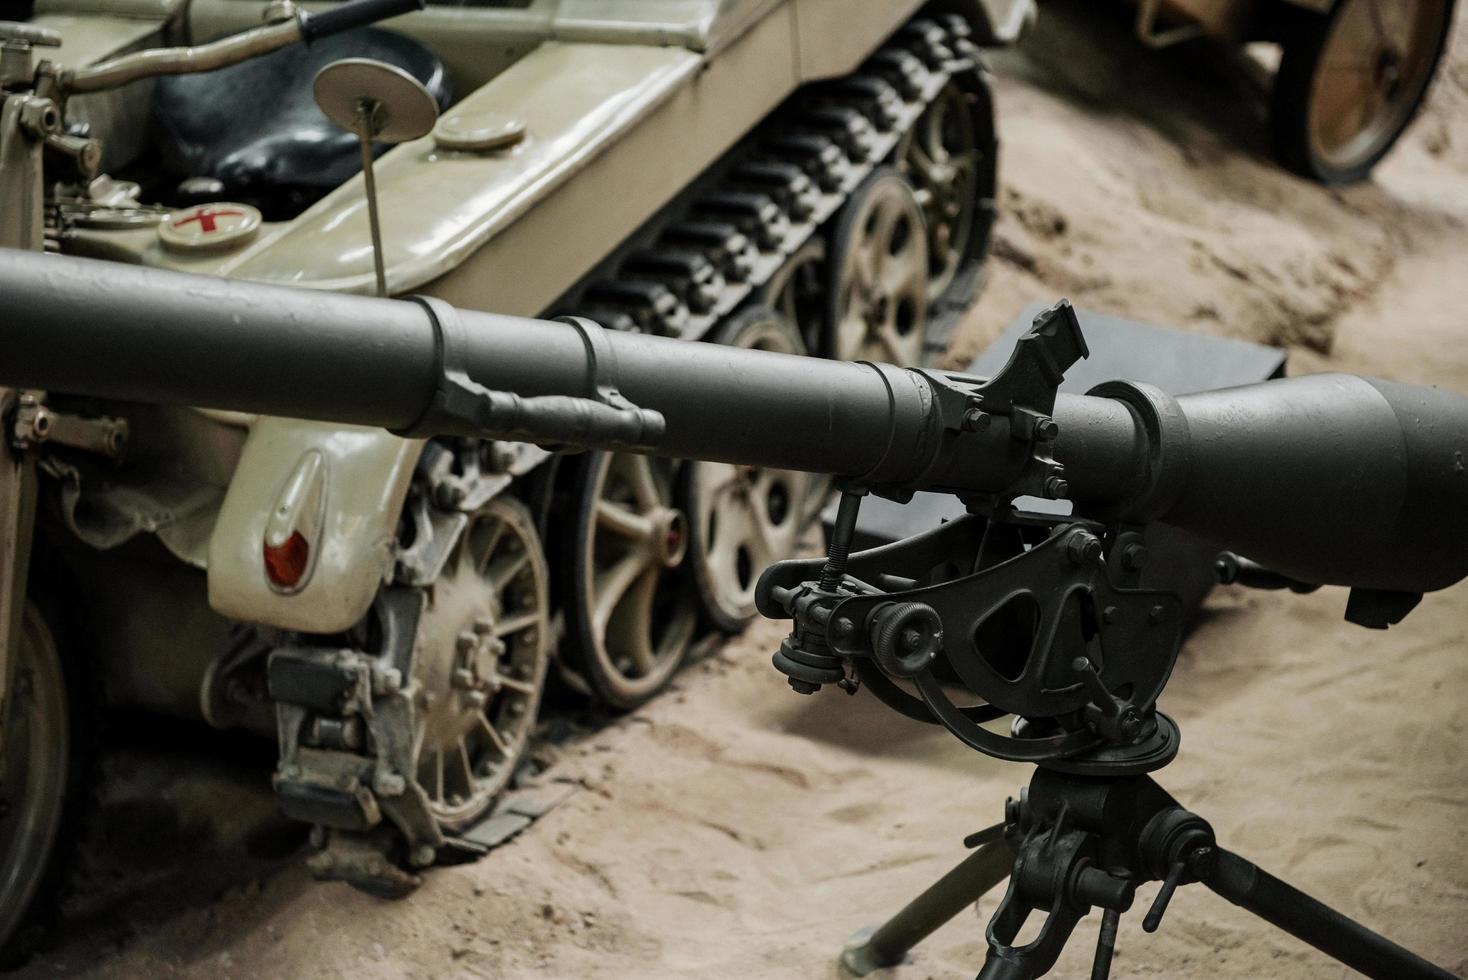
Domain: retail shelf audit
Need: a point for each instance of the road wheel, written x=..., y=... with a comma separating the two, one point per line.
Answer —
x=949, y=156
x=480, y=667
x=1350, y=82
x=742, y=519
x=40, y=793
x=631, y=610
x=797, y=291
x=877, y=303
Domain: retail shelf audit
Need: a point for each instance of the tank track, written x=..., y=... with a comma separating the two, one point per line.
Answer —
x=724, y=238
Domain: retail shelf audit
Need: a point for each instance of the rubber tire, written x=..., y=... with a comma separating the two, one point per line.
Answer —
x=40, y=923
x=726, y=333
x=1303, y=38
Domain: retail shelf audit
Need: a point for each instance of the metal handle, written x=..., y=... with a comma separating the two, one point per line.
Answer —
x=1233, y=569
x=357, y=13
x=233, y=49
x=181, y=61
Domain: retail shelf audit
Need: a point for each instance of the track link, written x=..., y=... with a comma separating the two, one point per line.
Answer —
x=727, y=236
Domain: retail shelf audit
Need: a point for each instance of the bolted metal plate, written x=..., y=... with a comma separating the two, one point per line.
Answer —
x=478, y=133
x=375, y=100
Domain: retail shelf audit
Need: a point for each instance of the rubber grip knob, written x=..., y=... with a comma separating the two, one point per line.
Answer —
x=906, y=637
x=354, y=13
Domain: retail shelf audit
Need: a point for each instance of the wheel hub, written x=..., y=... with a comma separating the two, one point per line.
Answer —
x=457, y=669
x=1389, y=71
x=670, y=537
x=877, y=310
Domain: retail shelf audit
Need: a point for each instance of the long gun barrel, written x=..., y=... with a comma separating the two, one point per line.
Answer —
x=1329, y=479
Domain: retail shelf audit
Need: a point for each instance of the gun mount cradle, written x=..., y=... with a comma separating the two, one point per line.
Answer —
x=1041, y=616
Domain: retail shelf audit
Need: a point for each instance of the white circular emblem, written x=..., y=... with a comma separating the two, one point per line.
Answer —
x=222, y=224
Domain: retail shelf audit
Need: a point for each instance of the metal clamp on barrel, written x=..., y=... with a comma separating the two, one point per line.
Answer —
x=1165, y=428
x=462, y=406
x=910, y=449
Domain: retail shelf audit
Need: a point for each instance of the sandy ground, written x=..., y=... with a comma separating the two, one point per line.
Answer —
x=734, y=829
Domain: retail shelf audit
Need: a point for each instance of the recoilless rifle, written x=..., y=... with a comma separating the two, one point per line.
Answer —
x=1322, y=480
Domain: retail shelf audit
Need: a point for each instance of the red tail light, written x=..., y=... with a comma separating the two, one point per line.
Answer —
x=285, y=563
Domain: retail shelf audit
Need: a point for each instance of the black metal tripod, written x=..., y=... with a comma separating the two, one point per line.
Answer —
x=1076, y=842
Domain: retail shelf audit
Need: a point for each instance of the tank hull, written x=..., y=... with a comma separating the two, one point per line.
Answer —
x=323, y=551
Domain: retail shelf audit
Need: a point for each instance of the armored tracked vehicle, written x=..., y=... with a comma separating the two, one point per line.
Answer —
x=796, y=175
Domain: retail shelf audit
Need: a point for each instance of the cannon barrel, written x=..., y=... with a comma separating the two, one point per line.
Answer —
x=1332, y=479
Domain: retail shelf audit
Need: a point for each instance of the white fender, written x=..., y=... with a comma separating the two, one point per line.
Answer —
x=362, y=476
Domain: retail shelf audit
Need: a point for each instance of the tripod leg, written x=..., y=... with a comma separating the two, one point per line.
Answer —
x=889, y=943
x=1105, y=945
x=1318, y=924
x=1001, y=968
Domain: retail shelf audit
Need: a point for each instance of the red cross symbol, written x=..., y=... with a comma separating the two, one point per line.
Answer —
x=205, y=217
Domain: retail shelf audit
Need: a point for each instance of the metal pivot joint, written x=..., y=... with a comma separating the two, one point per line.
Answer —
x=462, y=406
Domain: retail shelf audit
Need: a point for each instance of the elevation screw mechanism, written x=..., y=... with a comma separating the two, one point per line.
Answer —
x=841, y=534
x=804, y=657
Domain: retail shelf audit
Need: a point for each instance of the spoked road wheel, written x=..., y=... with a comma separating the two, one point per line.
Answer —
x=1352, y=80
x=878, y=300
x=485, y=644
x=949, y=157
x=797, y=291
x=742, y=519
x=631, y=610
x=36, y=790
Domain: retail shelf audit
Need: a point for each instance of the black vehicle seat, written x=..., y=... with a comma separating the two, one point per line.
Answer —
x=253, y=133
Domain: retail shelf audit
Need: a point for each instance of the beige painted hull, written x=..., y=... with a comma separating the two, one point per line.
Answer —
x=625, y=104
